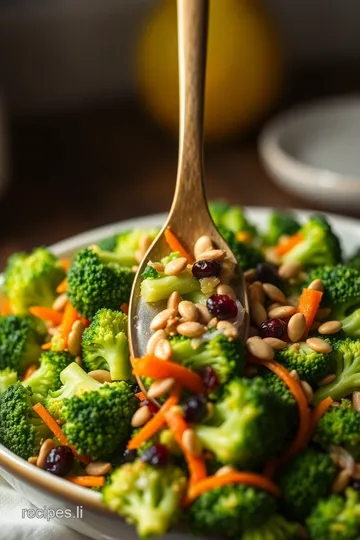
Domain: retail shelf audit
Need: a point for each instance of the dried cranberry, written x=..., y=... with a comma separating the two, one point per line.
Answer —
x=59, y=460
x=267, y=273
x=222, y=306
x=272, y=328
x=128, y=456
x=209, y=378
x=195, y=408
x=206, y=268
x=153, y=408
x=157, y=455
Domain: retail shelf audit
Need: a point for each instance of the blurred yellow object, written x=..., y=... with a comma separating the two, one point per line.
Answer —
x=244, y=67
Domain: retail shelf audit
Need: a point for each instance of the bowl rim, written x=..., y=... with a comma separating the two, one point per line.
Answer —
x=59, y=487
x=286, y=165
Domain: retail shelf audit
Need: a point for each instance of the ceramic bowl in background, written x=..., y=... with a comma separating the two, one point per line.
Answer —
x=313, y=151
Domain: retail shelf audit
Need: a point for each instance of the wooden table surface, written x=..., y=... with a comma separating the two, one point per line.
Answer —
x=79, y=169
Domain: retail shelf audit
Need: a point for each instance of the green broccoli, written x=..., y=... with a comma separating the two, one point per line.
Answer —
x=108, y=244
x=97, y=280
x=47, y=377
x=354, y=260
x=128, y=243
x=170, y=257
x=287, y=397
x=31, y=279
x=154, y=290
x=230, y=510
x=148, y=497
x=347, y=358
x=227, y=358
x=21, y=429
x=248, y=424
x=280, y=223
x=232, y=218
x=275, y=528
x=98, y=422
x=20, y=342
x=150, y=273
x=311, y=366
x=304, y=481
x=319, y=245
x=7, y=378
x=105, y=344
x=336, y=518
x=247, y=255
x=340, y=426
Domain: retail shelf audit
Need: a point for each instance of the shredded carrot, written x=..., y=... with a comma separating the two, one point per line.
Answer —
x=319, y=411
x=5, y=306
x=150, y=366
x=301, y=439
x=155, y=423
x=87, y=481
x=288, y=244
x=69, y=317
x=196, y=464
x=65, y=263
x=175, y=245
x=46, y=346
x=141, y=396
x=57, y=431
x=248, y=478
x=125, y=308
x=29, y=371
x=62, y=287
x=46, y=314
x=308, y=305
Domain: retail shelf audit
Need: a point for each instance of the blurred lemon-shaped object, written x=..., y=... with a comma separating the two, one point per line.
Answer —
x=244, y=66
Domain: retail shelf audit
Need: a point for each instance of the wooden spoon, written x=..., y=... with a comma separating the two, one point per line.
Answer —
x=189, y=216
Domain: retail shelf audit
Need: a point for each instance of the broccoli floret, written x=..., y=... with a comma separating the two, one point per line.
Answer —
x=105, y=344
x=47, y=377
x=310, y=365
x=128, y=243
x=336, y=518
x=20, y=342
x=354, y=261
x=248, y=424
x=109, y=243
x=21, y=429
x=232, y=218
x=150, y=273
x=276, y=528
x=171, y=257
x=227, y=358
x=290, y=406
x=31, y=279
x=230, y=510
x=154, y=290
x=304, y=481
x=75, y=382
x=340, y=426
x=247, y=256
x=319, y=245
x=7, y=378
x=347, y=361
x=97, y=280
x=280, y=223
x=148, y=497
x=98, y=422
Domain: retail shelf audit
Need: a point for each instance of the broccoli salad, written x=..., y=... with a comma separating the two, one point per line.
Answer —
x=253, y=440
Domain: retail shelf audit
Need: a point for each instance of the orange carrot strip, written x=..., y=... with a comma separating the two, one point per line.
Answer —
x=141, y=396
x=46, y=314
x=155, y=423
x=29, y=371
x=308, y=305
x=87, y=481
x=62, y=287
x=125, y=308
x=57, y=431
x=150, y=366
x=288, y=244
x=5, y=306
x=69, y=317
x=46, y=346
x=248, y=478
x=301, y=439
x=65, y=263
x=196, y=464
x=175, y=245
x=319, y=411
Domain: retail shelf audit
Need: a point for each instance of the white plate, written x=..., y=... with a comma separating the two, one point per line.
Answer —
x=313, y=151
x=43, y=489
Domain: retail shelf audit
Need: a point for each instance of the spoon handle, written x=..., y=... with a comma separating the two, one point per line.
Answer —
x=192, y=37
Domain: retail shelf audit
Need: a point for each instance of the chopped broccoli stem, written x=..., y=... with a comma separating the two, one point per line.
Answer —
x=154, y=290
x=7, y=378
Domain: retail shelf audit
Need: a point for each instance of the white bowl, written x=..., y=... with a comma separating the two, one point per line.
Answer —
x=45, y=490
x=313, y=151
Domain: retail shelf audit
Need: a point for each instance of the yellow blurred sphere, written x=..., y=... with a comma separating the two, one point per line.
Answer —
x=244, y=66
